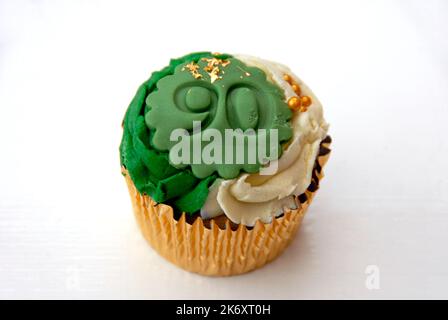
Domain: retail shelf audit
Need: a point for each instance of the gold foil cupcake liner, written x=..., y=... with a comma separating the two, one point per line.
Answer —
x=215, y=247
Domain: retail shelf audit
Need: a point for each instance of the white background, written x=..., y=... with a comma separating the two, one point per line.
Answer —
x=69, y=69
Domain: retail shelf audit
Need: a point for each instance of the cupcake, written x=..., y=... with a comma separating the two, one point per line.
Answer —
x=222, y=155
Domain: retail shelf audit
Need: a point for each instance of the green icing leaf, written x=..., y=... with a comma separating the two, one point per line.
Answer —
x=148, y=168
x=175, y=186
x=194, y=200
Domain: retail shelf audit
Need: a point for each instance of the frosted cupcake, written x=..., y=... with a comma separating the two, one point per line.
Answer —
x=222, y=155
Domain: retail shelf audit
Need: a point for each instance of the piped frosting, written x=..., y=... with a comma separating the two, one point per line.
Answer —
x=252, y=197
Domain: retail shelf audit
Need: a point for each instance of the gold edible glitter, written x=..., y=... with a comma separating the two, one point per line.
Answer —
x=247, y=74
x=194, y=70
x=212, y=67
x=214, y=74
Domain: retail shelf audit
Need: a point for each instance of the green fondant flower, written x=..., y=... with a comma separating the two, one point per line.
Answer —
x=232, y=96
x=218, y=94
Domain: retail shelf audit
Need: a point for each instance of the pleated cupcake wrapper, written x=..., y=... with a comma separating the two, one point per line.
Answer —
x=213, y=248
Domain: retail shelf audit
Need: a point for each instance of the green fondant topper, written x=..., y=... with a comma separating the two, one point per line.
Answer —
x=219, y=94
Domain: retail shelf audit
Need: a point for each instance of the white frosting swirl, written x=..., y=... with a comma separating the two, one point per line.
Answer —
x=252, y=197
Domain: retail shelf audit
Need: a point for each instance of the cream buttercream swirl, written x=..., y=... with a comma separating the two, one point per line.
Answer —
x=252, y=197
